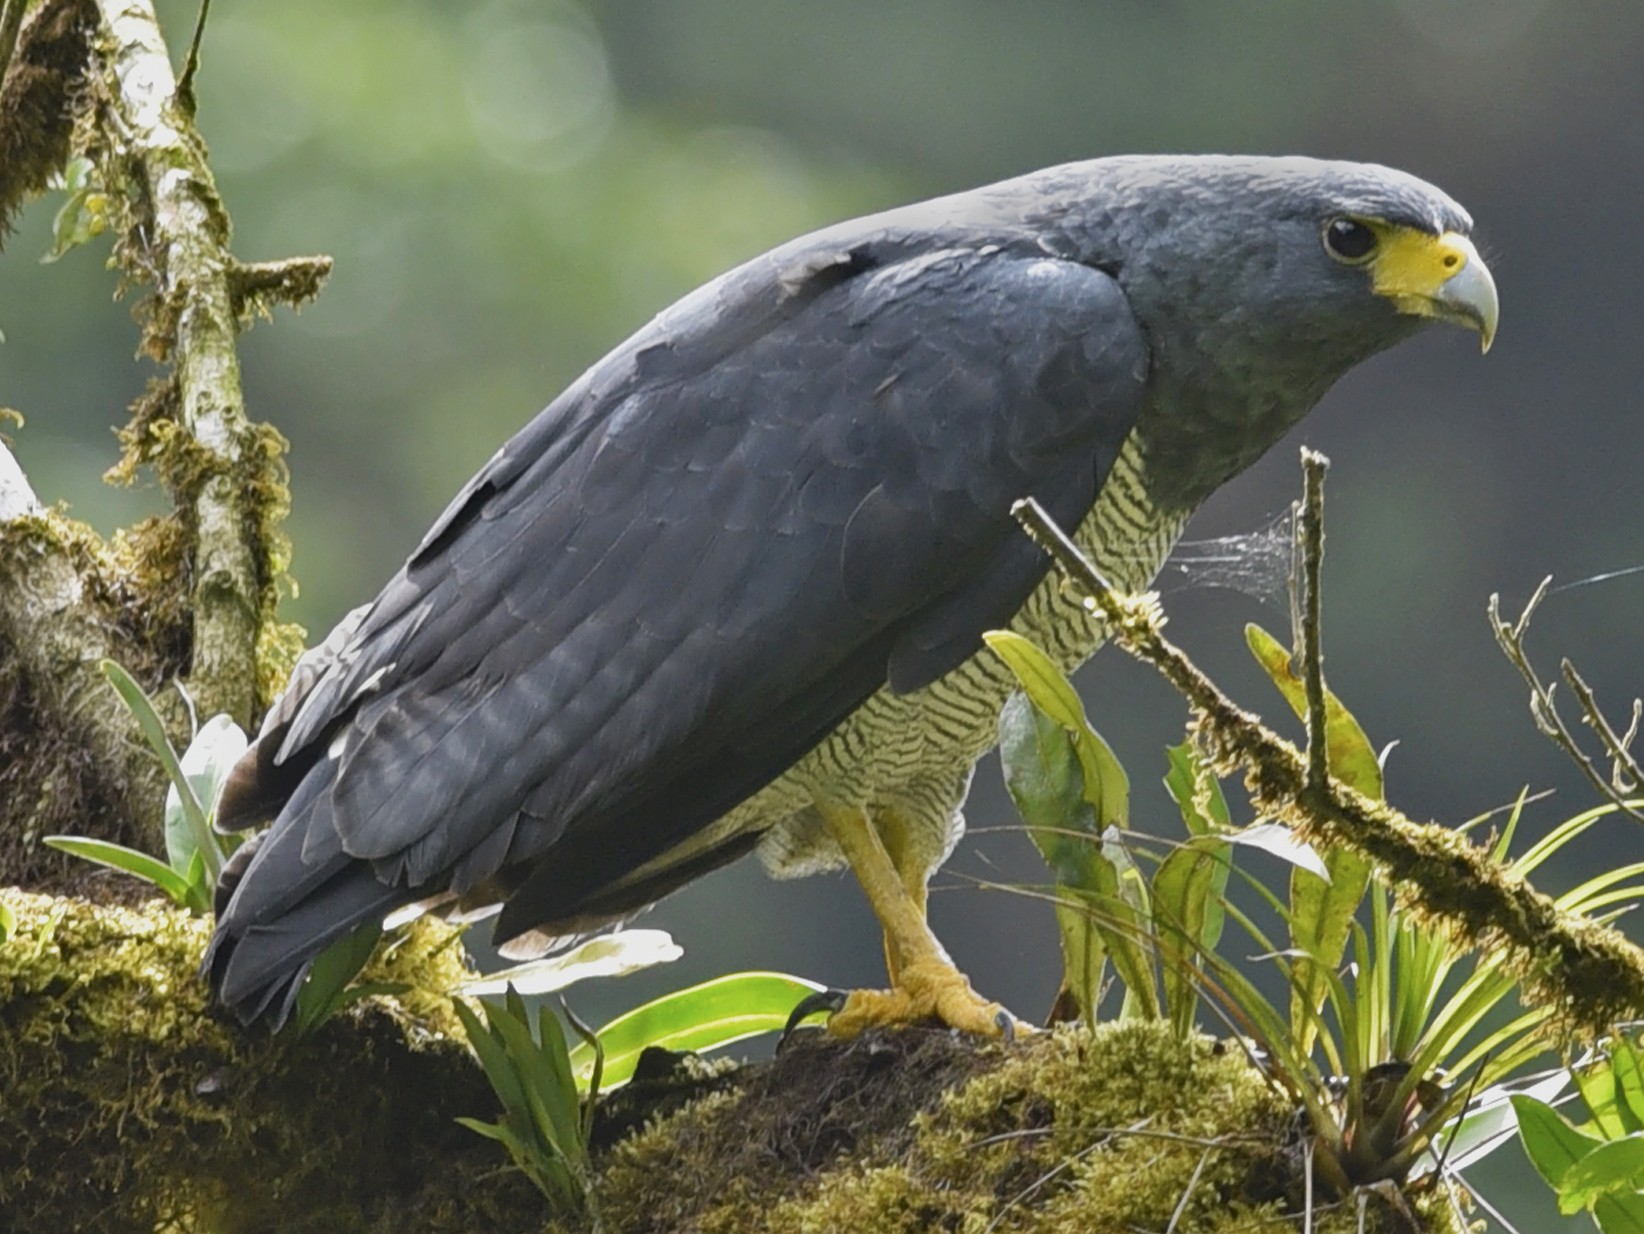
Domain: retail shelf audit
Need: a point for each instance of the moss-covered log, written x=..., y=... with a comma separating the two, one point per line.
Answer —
x=125, y=1105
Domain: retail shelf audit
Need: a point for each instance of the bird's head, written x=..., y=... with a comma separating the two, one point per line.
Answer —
x=1260, y=281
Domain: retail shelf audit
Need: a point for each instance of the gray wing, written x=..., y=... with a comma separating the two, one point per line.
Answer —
x=788, y=491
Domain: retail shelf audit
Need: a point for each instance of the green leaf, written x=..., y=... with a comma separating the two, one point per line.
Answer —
x=1616, y=1166
x=1107, y=788
x=83, y=216
x=1352, y=758
x=118, y=857
x=1597, y=1085
x=199, y=884
x=1123, y=913
x=1084, y=948
x=704, y=1017
x=1551, y=1143
x=154, y=732
x=1045, y=780
x=1629, y=1076
x=204, y=766
x=1197, y=793
x=8, y=922
x=1048, y=782
x=608, y=955
x=1321, y=920
x=325, y=992
x=1188, y=917
x=1620, y=1214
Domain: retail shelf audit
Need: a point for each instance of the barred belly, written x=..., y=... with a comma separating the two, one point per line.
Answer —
x=911, y=755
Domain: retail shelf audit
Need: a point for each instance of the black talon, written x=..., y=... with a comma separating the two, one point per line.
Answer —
x=831, y=1001
x=1007, y=1025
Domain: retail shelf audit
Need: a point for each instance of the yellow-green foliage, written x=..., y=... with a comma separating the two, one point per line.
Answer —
x=128, y=1106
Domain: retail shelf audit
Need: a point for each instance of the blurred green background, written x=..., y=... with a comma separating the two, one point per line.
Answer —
x=511, y=186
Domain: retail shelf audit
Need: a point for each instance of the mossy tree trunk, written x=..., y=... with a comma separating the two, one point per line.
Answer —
x=186, y=602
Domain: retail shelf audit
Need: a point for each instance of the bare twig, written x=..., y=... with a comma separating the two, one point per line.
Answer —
x=1544, y=708
x=191, y=63
x=1589, y=974
x=1625, y=772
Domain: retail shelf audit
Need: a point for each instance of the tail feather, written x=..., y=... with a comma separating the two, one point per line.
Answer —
x=282, y=911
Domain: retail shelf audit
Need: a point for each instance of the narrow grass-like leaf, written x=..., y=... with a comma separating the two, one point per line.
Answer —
x=704, y=1017
x=154, y=732
x=326, y=991
x=131, y=861
x=8, y=922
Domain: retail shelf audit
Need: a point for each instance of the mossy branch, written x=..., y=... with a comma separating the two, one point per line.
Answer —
x=57, y=621
x=176, y=232
x=42, y=62
x=1589, y=974
x=129, y=1106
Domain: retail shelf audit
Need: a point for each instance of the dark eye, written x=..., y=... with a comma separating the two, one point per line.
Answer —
x=1349, y=240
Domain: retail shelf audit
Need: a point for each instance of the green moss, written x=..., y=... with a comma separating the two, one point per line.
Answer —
x=1122, y=1129
x=129, y=1105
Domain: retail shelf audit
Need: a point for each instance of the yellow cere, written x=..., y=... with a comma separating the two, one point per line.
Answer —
x=1412, y=263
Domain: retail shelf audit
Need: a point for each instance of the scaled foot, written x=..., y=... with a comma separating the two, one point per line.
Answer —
x=925, y=990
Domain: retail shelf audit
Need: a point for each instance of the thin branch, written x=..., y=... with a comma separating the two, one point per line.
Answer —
x=1309, y=645
x=179, y=230
x=1544, y=706
x=11, y=21
x=1587, y=973
x=1625, y=772
x=191, y=63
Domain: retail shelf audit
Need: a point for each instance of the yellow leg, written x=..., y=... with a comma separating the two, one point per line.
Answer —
x=925, y=985
x=891, y=829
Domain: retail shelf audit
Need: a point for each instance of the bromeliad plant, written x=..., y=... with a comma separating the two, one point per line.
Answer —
x=1397, y=1043
x=196, y=851
x=548, y=1088
x=1598, y=1165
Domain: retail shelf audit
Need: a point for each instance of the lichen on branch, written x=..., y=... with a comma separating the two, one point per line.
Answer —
x=1587, y=973
x=226, y=474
